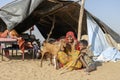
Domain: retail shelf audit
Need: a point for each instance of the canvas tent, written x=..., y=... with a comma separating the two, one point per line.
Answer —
x=23, y=14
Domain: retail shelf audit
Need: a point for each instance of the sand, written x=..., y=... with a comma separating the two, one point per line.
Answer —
x=29, y=69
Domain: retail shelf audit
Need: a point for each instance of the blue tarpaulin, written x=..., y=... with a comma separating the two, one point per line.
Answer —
x=16, y=11
x=99, y=44
x=96, y=37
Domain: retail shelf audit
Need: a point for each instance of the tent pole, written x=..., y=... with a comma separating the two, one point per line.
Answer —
x=53, y=25
x=80, y=19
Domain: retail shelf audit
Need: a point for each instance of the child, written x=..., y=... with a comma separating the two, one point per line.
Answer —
x=86, y=56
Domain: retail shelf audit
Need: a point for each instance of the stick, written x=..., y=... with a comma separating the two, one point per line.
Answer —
x=80, y=19
x=53, y=25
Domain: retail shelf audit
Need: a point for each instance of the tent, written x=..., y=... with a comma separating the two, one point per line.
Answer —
x=23, y=14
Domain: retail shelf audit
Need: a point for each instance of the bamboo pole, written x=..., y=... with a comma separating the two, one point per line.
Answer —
x=80, y=19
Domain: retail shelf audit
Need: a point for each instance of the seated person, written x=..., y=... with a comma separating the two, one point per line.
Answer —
x=21, y=42
x=70, y=53
x=13, y=34
x=71, y=41
x=86, y=56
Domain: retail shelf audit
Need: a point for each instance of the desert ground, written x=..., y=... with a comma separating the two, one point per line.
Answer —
x=29, y=69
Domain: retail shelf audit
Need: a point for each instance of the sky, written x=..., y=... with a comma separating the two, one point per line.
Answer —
x=4, y=2
x=106, y=10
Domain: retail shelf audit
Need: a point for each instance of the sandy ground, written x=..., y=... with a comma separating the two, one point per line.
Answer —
x=29, y=69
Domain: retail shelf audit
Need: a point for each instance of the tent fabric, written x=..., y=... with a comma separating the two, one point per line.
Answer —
x=66, y=19
x=99, y=44
x=66, y=16
x=96, y=36
x=113, y=31
x=110, y=54
x=16, y=11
